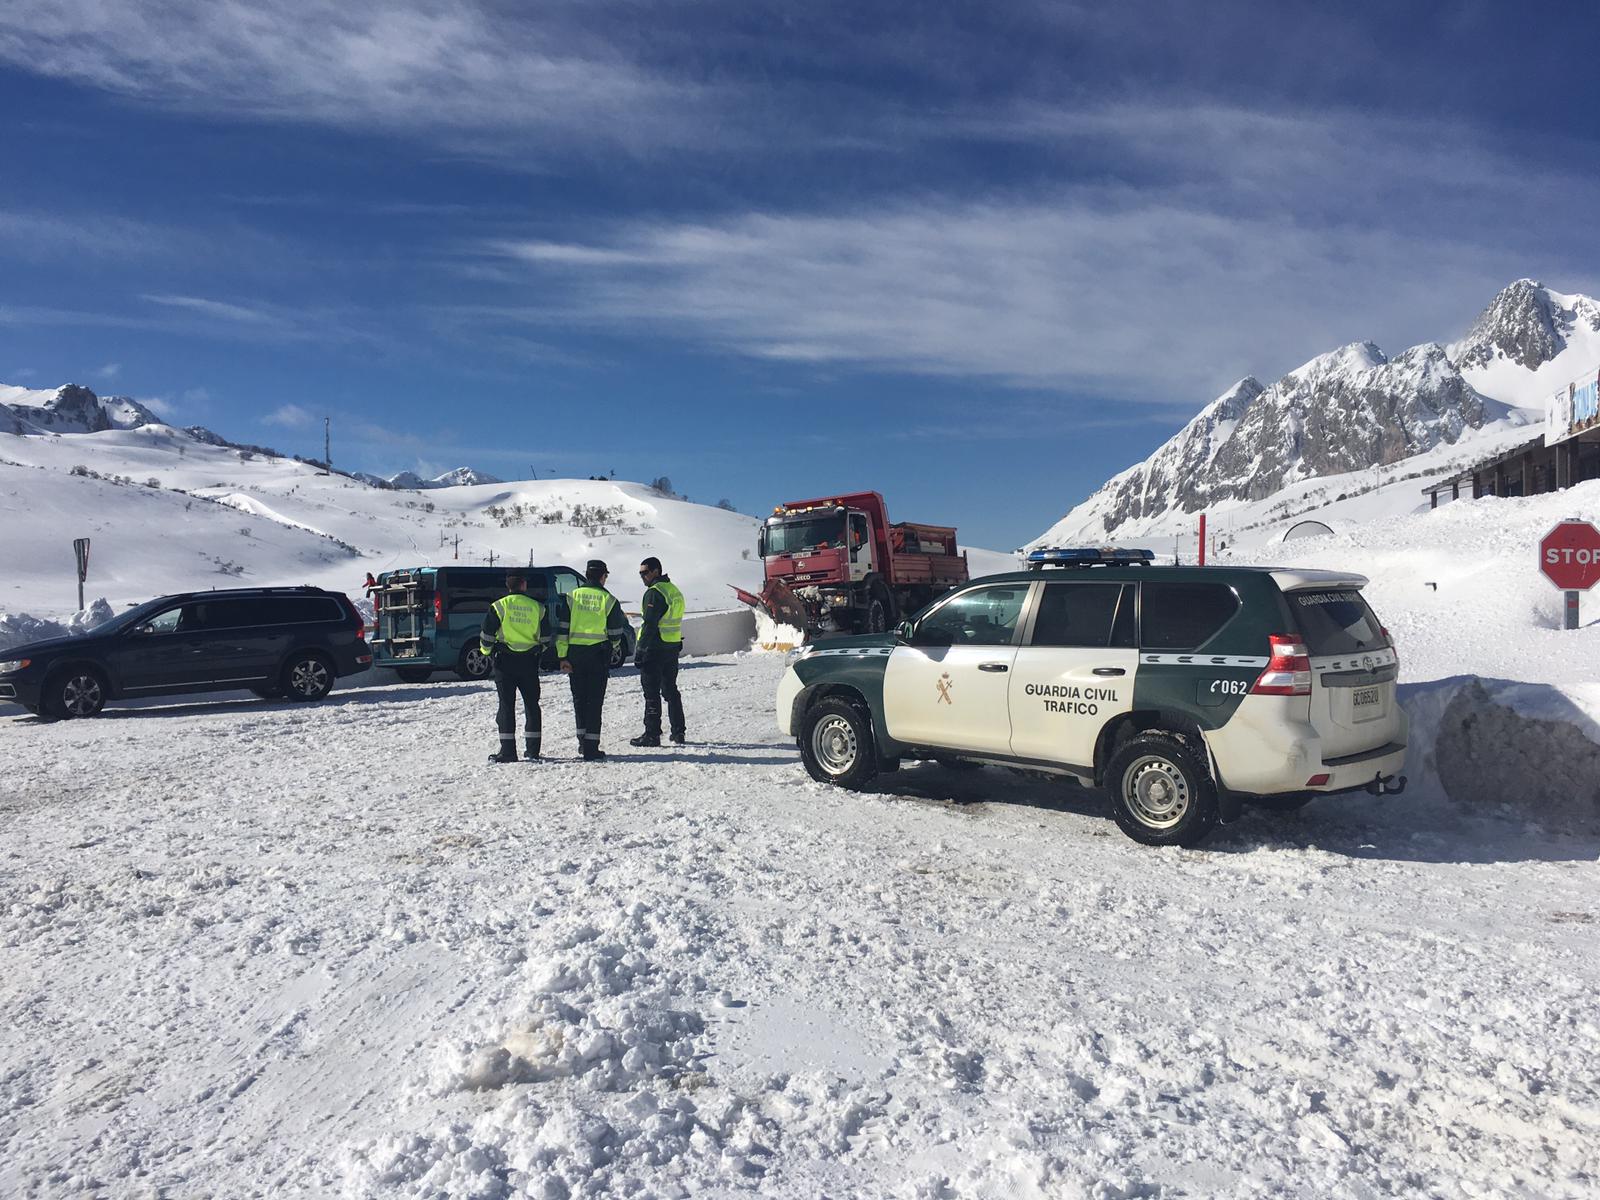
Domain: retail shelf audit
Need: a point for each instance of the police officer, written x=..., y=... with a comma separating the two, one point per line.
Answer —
x=589, y=624
x=515, y=632
x=660, y=644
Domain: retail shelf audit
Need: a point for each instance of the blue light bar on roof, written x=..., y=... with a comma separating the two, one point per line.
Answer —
x=1087, y=556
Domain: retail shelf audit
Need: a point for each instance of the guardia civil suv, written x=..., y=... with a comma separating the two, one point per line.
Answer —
x=1185, y=692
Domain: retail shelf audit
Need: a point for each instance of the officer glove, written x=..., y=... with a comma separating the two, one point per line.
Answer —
x=566, y=667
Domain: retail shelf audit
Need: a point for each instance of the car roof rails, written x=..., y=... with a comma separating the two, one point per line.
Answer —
x=1087, y=556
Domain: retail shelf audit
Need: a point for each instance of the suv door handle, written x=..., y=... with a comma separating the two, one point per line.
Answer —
x=1109, y=671
x=993, y=667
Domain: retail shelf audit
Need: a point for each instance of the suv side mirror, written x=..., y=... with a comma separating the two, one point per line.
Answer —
x=905, y=630
x=144, y=630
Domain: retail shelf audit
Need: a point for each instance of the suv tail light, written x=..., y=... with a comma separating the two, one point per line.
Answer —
x=1288, y=672
x=438, y=609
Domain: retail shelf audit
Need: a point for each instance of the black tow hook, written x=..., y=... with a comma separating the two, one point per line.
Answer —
x=1387, y=785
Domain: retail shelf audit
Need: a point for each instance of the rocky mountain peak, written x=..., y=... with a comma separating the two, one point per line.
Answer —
x=75, y=409
x=1524, y=323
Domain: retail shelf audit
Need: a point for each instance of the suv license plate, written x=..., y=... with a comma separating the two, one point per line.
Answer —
x=1366, y=703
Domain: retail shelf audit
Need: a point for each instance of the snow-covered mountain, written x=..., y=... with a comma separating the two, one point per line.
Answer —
x=410, y=481
x=1351, y=411
x=171, y=509
x=68, y=409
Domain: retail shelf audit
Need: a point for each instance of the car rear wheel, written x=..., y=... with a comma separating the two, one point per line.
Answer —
x=1161, y=789
x=836, y=744
x=75, y=692
x=473, y=663
x=307, y=677
x=619, y=654
x=414, y=674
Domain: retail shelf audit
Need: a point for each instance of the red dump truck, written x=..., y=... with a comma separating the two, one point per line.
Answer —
x=836, y=565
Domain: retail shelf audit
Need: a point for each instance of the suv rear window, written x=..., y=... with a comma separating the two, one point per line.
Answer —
x=1184, y=616
x=1336, y=622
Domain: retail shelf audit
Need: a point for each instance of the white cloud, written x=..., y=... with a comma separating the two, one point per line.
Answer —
x=289, y=416
x=464, y=68
x=215, y=308
x=1250, y=244
x=159, y=405
x=109, y=371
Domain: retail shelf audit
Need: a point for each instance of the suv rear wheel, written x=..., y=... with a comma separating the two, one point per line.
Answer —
x=1161, y=789
x=307, y=676
x=75, y=692
x=836, y=744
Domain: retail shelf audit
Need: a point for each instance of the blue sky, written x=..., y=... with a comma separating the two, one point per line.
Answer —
x=978, y=256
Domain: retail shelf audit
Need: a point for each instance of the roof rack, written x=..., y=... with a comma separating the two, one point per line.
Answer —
x=1087, y=556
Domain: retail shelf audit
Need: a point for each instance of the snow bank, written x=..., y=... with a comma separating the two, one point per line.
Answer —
x=773, y=635
x=17, y=629
x=1496, y=747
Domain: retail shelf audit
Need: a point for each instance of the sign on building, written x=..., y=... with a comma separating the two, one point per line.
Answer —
x=1573, y=409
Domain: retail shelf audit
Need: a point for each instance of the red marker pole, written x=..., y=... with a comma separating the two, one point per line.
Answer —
x=1202, y=539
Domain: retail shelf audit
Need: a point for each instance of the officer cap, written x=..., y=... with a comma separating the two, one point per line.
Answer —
x=596, y=568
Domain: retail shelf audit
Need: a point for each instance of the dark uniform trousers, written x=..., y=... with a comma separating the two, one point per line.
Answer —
x=518, y=673
x=658, y=676
x=591, y=669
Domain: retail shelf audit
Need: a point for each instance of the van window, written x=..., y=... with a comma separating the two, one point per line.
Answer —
x=469, y=595
x=1336, y=622
x=1076, y=614
x=1184, y=616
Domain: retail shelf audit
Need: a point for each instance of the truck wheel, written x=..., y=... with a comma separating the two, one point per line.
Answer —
x=473, y=663
x=836, y=744
x=414, y=674
x=880, y=611
x=1161, y=789
x=75, y=692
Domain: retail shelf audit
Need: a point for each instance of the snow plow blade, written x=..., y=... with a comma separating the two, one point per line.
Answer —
x=781, y=605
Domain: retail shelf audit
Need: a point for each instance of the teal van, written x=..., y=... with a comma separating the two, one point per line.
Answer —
x=428, y=617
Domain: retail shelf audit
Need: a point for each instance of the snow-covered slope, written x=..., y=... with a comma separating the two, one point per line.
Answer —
x=354, y=960
x=1256, y=448
x=168, y=512
x=412, y=482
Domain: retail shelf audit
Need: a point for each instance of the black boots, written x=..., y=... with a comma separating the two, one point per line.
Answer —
x=646, y=739
x=677, y=738
x=508, y=751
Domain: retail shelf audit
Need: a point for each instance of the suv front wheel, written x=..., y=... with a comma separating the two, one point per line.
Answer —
x=307, y=677
x=1161, y=789
x=836, y=744
x=75, y=692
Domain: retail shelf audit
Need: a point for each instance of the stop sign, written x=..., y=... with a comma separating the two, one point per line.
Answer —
x=1569, y=556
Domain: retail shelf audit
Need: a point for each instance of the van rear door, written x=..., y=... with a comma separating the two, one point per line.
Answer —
x=1355, y=705
x=404, y=606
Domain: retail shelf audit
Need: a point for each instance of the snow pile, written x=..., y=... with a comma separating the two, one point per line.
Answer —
x=772, y=634
x=17, y=629
x=602, y=1086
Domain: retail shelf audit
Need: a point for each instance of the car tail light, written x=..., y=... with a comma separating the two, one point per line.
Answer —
x=438, y=609
x=1318, y=780
x=1288, y=672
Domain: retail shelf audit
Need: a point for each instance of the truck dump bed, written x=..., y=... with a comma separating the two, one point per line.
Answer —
x=924, y=554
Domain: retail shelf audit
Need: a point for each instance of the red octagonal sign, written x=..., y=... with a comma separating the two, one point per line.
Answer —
x=1569, y=556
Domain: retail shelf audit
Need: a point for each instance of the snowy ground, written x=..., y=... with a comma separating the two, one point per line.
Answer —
x=255, y=949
